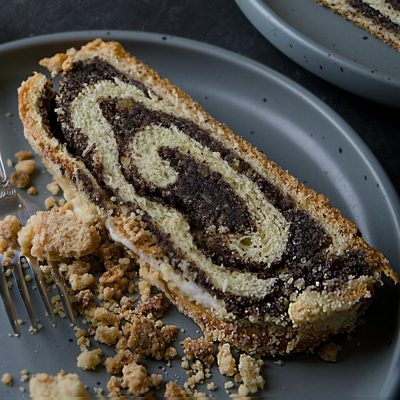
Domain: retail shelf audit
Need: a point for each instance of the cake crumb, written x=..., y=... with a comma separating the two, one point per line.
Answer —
x=58, y=234
x=32, y=191
x=57, y=306
x=328, y=352
x=62, y=386
x=226, y=361
x=50, y=202
x=107, y=334
x=229, y=385
x=115, y=364
x=144, y=288
x=174, y=391
x=23, y=155
x=89, y=359
x=146, y=339
x=200, y=349
x=27, y=166
x=114, y=386
x=9, y=228
x=53, y=188
x=212, y=386
x=24, y=375
x=249, y=369
x=136, y=380
x=156, y=305
x=7, y=379
x=19, y=179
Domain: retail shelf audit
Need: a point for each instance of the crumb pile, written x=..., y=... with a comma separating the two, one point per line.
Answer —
x=119, y=309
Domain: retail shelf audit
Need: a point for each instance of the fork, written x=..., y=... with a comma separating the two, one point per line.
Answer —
x=12, y=203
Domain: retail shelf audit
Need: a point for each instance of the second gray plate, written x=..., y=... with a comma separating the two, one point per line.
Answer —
x=294, y=129
x=329, y=46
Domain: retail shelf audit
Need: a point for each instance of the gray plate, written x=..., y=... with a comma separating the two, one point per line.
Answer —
x=329, y=46
x=295, y=129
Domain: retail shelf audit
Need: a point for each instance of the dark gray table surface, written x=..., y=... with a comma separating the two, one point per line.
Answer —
x=218, y=22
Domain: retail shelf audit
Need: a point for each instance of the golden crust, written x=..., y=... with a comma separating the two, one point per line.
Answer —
x=379, y=31
x=275, y=339
x=267, y=338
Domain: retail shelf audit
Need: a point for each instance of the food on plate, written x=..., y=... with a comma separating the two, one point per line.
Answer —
x=257, y=259
x=62, y=386
x=379, y=17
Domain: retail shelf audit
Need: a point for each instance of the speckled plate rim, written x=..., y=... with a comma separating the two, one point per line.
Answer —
x=391, y=386
x=258, y=10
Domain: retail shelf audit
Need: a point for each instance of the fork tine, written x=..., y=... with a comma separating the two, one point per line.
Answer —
x=23, y=289
x=8, y=304
x=62, y=289
x=37, y=273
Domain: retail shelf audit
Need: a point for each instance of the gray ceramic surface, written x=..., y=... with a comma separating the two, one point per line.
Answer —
x=329, y=46
x=295, y=129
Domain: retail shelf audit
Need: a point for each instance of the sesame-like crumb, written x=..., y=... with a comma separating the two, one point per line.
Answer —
x=9, y=163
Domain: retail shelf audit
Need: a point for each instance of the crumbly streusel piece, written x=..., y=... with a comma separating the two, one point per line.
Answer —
x=107, y=334
x=148, y=339
x=32, y=191
x=249, y=369
x=226, y=361
x=89, y=359
x=9, y=228
x=26, y=166
x=115, y=364
x=61, y=387
x=156, y=305
x=174, y=391
x=58, y=234
x=201, y=349
x=7, y=379
x=23, y=155
x=136, y=380
x=20, y=179
x=53, y=188
x=80, y=282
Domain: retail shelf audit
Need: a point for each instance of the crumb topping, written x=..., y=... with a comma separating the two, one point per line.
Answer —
x=201, y=349
x=7, y=379
x=226, y=361
x=249, y=369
